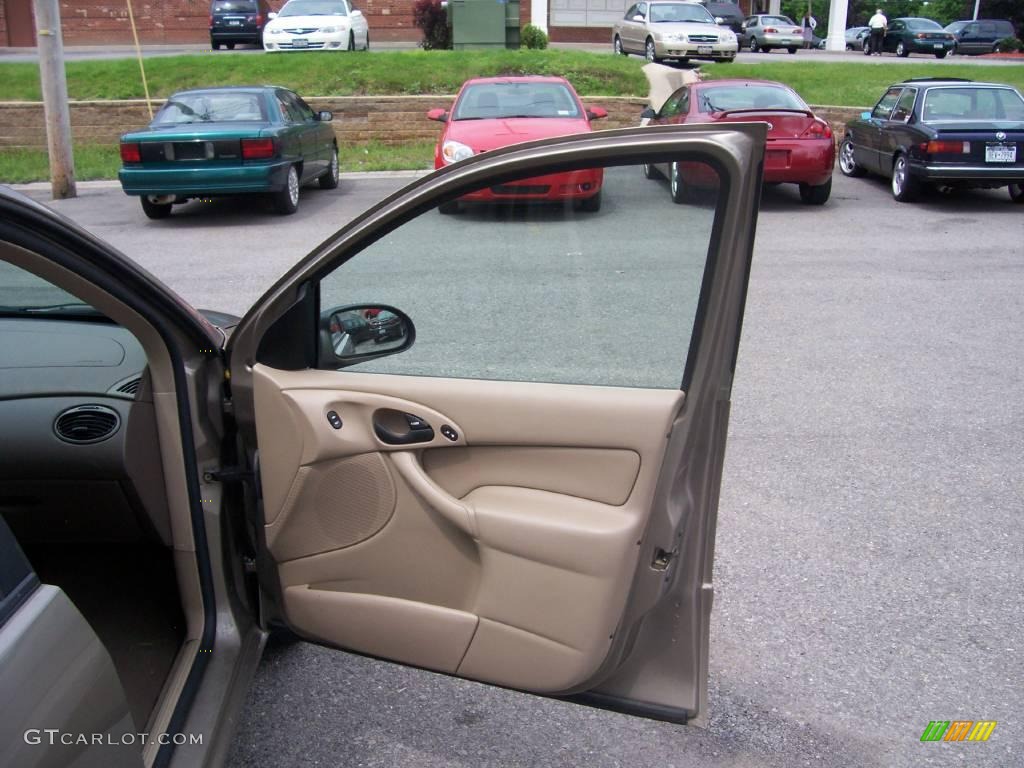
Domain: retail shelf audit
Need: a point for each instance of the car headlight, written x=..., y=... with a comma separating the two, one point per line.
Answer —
x=453, y=151
x=275, y=31
x=678, y=38
x=728, y=37
x=330, y=30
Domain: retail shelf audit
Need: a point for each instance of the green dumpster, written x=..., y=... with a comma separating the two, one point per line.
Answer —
x=484, y=23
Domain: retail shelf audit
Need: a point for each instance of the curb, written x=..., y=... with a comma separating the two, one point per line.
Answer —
x=42, y=186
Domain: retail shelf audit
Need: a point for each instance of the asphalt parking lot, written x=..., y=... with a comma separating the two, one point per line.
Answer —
x=870, y=553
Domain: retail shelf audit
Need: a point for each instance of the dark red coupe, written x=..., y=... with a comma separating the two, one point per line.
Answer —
x=493, y=112
x=800, y=147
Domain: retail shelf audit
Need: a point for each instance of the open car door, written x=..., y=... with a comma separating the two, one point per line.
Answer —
x=490, y=444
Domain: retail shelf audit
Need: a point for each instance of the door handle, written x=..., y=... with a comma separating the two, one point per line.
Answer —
x=398, y=428
x=455, y=511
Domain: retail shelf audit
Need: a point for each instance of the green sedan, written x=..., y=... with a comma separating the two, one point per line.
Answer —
x=228, y=141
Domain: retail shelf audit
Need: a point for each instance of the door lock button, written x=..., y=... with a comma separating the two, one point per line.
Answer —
x=450, y=433
x=334, y=419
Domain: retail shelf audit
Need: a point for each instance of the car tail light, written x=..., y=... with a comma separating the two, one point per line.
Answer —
x=257, y=149
x=211, y=21
x=819, y=129
x=798, y=31
x=920, y=35
x=131, y=153
x=770, y=31
x=259, y=19
x=948, y=147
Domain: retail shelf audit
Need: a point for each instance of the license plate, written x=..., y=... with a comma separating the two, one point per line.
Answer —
x=234, y=23
x=300, y=42
x=937, y=45
x=704, y=49
x=1000, y=154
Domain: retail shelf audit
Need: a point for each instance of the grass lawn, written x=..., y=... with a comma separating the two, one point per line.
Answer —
x=94, y=161
x=819, y=81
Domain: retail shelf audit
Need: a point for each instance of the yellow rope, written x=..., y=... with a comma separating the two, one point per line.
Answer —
x=138, y=53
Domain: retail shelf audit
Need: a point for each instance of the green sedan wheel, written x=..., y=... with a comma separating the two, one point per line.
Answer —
x=286, y=201
x=154, y=209
x=329, y=178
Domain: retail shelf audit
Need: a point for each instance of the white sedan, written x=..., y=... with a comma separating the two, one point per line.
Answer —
x=325, y=25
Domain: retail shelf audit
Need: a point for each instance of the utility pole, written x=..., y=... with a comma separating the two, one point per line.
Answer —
x=55, y=98
x=976, y=4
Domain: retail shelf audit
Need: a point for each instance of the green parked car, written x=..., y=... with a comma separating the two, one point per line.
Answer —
x=228, y=141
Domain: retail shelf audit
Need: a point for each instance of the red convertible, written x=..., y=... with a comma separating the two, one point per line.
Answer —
x=493, y=112
x=800, y=147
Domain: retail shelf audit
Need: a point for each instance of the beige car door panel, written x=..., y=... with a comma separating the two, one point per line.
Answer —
x=562, y=541
x=528, y=550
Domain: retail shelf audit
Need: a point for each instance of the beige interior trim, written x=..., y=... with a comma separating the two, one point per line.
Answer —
x=597, y=474
x=431, y=636
x=499, y=562
x=458, y=513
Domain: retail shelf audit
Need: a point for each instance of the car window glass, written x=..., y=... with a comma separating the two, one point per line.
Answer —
x=642, y=9
x=300, y=108
x=542, y=292
x=679, y=12
x=724, y=97
x=289, y=110
x=24, y=294
x=905, y=105
x=973, y=104
x=211, y=106
x=630, y=13
x=884, y=107
x=234, y=6
x=314, y=8
x=676, y=104
x=520, y=99
x=777, y=20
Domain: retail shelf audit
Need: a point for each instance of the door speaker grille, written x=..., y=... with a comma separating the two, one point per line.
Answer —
x=86, y=424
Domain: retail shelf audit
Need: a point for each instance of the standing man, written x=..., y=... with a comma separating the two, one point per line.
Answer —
x=877, y=24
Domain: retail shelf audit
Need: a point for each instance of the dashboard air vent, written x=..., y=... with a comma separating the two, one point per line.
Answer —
x=86, y=424
x=131, y=386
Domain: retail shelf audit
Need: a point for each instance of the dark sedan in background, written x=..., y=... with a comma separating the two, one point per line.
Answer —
x=946, y=132
x=913, y=35
x=229, y=141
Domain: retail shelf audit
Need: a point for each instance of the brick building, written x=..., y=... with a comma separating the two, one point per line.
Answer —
x=105, y=22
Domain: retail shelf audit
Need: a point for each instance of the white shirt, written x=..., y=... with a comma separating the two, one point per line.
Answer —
x=878, y=21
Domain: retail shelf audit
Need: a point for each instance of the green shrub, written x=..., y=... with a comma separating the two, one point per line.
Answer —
x=1009, y=45
x=533, y=37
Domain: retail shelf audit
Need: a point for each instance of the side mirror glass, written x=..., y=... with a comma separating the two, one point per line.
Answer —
x=596, y=113
x=638, y=17
x=355, y=333
x=438, y=114
x=865, y=115
x=719, y=20
x=325, y=116
x=648, y=114
x=271, y=15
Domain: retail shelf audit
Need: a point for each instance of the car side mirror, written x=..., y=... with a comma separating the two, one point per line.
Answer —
x=638, y=17
x=719, y=20
x=440, y=115
x=596, y=113
x=356, y=333
x=325, y=116
x=865, y=115
x=271, y=15
x=355, y=12
x=648, y=114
